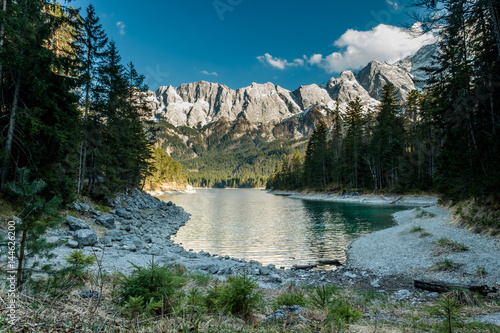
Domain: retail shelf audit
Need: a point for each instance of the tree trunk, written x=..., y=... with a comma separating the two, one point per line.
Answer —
x=10, y=132
x=20, y=260
x=443, y=287
x=496, y=24
x=2, y=33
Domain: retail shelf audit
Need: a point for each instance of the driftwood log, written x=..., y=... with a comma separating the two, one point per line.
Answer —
x=334, y=262
x=305, y=267
x=442, y=287
x=391, y=203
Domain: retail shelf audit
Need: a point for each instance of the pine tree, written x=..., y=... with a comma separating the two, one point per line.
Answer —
x=296, y=170
x=335, y=145
x=39, y=96
x=353, y=143
x=92, y=43
x=388, y=139
x=463, y=99
x=316, y=172
x=120, y=159
x=36, y=217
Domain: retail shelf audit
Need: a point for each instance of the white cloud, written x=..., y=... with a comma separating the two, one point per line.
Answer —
x=279, y=63
x=209, y=73
x=121, y=26
x=382, y=43
x=394, y=4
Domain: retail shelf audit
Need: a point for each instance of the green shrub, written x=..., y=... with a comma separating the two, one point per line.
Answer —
x=291, y=298
x=451, y=245
x=341, y=313
x=62, y=281
x=201, y=279
x=195, y=302
x=481, y=271
x=446, y=308
x=446, y=265
x=238, y=295
x=323, y=295
x=416, y=229
x=78, y=258
x=153, y=283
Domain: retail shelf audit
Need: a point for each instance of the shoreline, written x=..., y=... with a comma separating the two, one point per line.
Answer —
x=411, y=248
x=145, y=225
x=404, y=200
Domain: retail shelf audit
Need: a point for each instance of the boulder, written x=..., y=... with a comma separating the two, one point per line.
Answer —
x=107, y=221
x=275, y=278
x=106, y=241
x=72, y=244
x=264, y=270
x=114, y=235
x=129, y=246
x=95, y=212
x=90, y=294
x=291, y=315
x=123, y=213
x=213, y=269
x=75, y=224
x=85, y=237
x=81, y=207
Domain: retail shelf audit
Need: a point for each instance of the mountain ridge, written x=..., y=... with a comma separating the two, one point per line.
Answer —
x=198, y=104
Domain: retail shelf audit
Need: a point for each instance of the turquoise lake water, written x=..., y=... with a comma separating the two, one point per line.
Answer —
x=272, y=229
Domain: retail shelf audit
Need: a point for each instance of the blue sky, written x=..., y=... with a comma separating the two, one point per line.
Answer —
x=237, y=42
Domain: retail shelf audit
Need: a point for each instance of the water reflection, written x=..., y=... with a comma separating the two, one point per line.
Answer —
x=256, y=225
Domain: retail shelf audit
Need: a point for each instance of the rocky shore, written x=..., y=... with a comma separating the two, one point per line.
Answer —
x=139, y=227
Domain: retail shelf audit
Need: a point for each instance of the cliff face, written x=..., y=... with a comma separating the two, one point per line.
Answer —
x=269, y=112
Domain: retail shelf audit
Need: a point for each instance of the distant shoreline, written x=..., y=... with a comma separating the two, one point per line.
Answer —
x=405, y=200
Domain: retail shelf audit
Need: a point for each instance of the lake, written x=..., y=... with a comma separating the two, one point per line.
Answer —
x=273, y=229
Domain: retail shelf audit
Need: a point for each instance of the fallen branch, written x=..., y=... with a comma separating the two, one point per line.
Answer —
x=391, y=203
x=334, y=262
x=442, y=287
x=306, y=267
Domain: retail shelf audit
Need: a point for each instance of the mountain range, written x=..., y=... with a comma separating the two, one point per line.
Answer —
x=197, y=118
x=275, y=113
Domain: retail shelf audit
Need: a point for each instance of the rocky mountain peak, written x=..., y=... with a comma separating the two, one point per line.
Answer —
x=265, y=105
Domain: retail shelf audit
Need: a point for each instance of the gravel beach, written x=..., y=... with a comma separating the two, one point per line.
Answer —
x=411, y=248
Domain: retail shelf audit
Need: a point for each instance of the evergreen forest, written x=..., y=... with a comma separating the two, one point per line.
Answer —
x=443, y=139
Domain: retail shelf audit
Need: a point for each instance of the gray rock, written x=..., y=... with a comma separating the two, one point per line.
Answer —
x=75, y=224
x=106, y=241
x=138, y=244
x=275, y=278
x=95, y=212
x=375, y=283
x=154, y=250
x=292, y=315
x=72, y=244
x=350, y=275
x=213, y=269
x=107, y=221
x=56, y=233
x=114, y=235
x=85, y=237
x=81, y=207
x=129, y=246
x=90, y=294
x=264, y=270
x=123, y=213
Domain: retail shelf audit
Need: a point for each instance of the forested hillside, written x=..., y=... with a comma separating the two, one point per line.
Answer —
x=445, y=138
x=71, y=112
